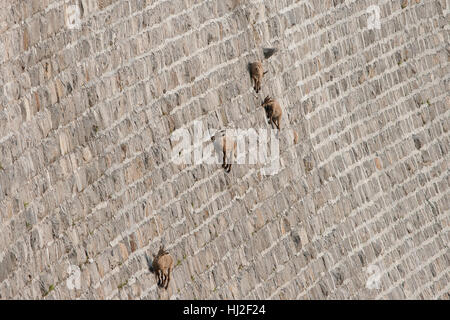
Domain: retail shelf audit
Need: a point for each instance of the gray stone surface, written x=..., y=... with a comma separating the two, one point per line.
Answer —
x=86, y=178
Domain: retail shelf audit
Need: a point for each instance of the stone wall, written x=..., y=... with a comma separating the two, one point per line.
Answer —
x=86, y=180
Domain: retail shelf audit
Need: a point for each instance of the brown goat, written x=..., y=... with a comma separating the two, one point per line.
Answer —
x=256, y=73
x=162, y=267
x=226, y=146
x=295, y=137
x=273, y=111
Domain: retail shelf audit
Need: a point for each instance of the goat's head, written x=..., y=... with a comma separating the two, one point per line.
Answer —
x=266, y=101
x=161, y=252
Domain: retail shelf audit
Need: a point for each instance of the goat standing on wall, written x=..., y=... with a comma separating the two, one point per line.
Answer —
x=162, y=267
x=256, y=73
x=273, y=111
x=226, y=146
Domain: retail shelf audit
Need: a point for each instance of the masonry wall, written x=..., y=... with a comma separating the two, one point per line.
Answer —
x=86, y=180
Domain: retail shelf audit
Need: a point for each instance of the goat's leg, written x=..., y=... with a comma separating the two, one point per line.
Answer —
x=165, y=276
x=161, y=278
x=278, y=127
x=269, y=117
x=229, y=160
x=224, y=163
x=168, y=278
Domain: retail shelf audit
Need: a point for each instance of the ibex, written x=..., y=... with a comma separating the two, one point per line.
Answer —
x=273, y=111
x=256, y=73
x=295, y=137
x=162, y=267
x=225, y=145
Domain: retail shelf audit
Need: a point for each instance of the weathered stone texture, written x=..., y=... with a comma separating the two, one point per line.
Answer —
x=86, y=179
